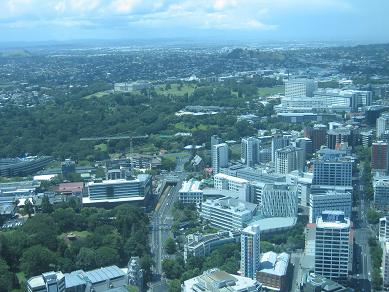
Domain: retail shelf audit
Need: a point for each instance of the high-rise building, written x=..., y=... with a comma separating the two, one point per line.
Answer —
x=249, y=151
x=318, y=135
x=300, y=87
x=339, y=135
x=215, y=140
x=381, y=193
x=379, y=156
x=384, y=229
x=306, y=145
x=331, y=200
x=288, y=159
x=382, y=125
x=278, y=142
x=385, y=264
x=219, y=157
x=250, y=251
x=279, y=200
x=332, y=171
x=333, y=245
x=367, y=138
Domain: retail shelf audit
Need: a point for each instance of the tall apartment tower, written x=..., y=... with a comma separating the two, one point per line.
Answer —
x=288, y=159
x=318, y=135
x=250, y=251
x=384, y=229
x=300, y=87
x=332, y=172
x=382, y=125
x=379, y=156
x=219, y=157
x=214, y=141
x=249, y=151
x=333, y=245
x=278, y=142
x=385, y=264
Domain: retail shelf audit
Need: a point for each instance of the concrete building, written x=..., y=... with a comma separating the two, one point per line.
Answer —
x=250, y=251
x=366, y=138
x=131, y=86
x=279, y=200
x=379, y=156
x=264, y=155
x=297, y=88
x=23, y=166
x=331, y=200
x=333, y=245
x=318, y=135
x=306, y=145
x=332, y=171
x=99, y=280
x=200, y=245
x=385, y=264
x=381, y=193
x=273, y=271
x=382, y=125
x=384, y=229
x=253, y=174
x=219, y=157
x=249, y=151
x=227, y=213
x=239, y=185
x=190, y=192
x=118, y=191
x=215, y=280
x=278, y=142
x=303, y=182
x=288, y=159
x=317, y=283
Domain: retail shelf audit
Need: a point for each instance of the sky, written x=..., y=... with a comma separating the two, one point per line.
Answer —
x=260, y=20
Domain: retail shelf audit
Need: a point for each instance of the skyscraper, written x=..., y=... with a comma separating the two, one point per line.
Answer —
x=333, y=245
x=382, y=125
x=385, y=264
x=250, y=251
x=249, y=151
x=331, y=171
x=379, y=156
x=219, y=157
x=214, y=141
x=318, y=135
x=278, y=142
x=288, y=159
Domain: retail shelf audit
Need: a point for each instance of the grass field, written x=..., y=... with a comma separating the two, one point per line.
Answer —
x=266, y=91
x=235, y=151
x=101, y=147
x=97, y=94
x=175, y=90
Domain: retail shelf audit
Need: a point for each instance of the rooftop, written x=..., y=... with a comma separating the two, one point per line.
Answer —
x=231, y=178
x=190, y=186
x=275, y=264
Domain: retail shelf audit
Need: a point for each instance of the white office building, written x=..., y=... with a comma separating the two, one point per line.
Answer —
x=331, y=200
x=279, y=200
x=385, y=264
x=239, y=185
x=288, y=159
x=333, y=172
x=300, y=87
x=190, y=192
x=381, y=193
x=249, y=151
x=382, y=125
x=250, y=251
x=227, y=213
x=219, y=157
x=384, y=229
x=333, y=245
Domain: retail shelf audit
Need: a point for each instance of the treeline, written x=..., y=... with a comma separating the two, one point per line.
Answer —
x=67, y=239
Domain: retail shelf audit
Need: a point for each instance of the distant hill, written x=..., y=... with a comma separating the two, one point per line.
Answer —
x=14, y=53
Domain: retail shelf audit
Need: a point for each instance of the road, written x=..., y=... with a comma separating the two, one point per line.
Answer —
x=161, y=223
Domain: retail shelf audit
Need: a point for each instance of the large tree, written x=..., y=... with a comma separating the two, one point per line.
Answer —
x=37, y=259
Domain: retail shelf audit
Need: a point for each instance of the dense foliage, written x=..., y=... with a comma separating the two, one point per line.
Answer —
x=71, y=238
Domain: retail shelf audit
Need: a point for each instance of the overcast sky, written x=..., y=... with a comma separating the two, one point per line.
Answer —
x=262, y=20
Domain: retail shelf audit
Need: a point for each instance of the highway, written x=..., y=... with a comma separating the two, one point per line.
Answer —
x=161, y=223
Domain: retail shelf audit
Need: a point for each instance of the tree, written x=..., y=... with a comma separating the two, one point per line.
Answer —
x=37, y=259
x=86, y=259
x=172, y=268
x=106, y=256
x=6, y=277
x=28, y=207
x=170, y=246
x=46, y=206
x=373, y=216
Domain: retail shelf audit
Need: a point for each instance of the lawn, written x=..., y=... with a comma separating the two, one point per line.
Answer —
x=99, y=94
x=235, y=151
x=266, y=91
x=102, y=147
x=175, y=89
